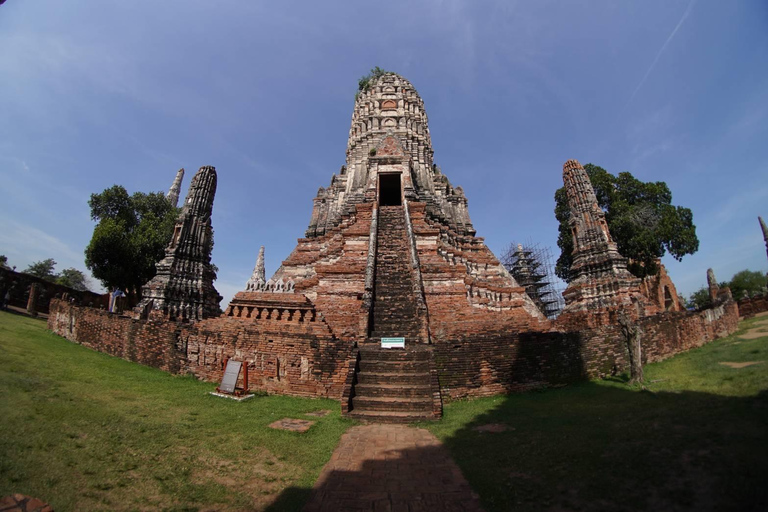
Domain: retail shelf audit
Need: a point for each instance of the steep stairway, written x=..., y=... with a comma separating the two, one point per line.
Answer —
x=395, y=306
x=394, y=385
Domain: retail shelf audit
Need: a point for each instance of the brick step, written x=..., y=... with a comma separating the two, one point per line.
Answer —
x=375, y=352
x=402, y=378
x=391, y=416
x=365, y=404
x=394, y=366
x=394, y=390
x=395, y=331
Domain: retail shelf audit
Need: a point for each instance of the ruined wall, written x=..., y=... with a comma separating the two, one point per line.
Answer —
x=284, y=355
x=486, y=365
x=152, y=344
x=19, y=283
x=295, y=358
x=753, y=306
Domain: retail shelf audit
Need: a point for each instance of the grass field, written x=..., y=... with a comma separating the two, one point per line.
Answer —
x=86, y=431
x=696, y=438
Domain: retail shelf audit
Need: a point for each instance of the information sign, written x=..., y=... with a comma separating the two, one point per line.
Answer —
x=229, y=381
x=392, y=342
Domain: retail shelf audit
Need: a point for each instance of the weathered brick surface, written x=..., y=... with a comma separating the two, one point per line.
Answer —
x=752, y=306
x=486, y=365
x=302, y=358
x=285, y=353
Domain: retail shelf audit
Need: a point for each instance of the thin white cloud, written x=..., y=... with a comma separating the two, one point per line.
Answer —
x=661, y=51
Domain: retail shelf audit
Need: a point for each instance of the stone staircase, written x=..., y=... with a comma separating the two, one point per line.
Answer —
x=395, y=385
x=395, y=306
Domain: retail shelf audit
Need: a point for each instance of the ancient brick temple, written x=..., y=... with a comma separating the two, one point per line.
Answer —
x=390, y=252
x=390, y=249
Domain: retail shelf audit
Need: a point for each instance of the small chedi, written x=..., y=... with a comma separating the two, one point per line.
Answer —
x=390, y=254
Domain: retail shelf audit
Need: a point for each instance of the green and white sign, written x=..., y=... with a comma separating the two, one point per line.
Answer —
x=392, y=342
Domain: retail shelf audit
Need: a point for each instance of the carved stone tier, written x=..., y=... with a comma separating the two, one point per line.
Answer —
x=389, y=127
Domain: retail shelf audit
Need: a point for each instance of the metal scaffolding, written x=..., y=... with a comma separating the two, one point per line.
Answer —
x=532, y=267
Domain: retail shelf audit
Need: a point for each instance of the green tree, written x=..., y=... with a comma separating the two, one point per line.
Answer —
x=3, y=260
x=699, y=299
x=642, y=220
x=73, y=278
x=42, y=269
x=130, y=236
x=747, y=283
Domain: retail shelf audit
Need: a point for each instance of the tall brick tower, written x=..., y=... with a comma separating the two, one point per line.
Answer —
x=600, y=275
x=390, y=250
x=183, y=288
x=765, y=232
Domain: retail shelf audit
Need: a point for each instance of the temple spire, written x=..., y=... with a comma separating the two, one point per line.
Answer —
x=175, y=190
x=259, y=276
x=183, y=287
x=765, y=233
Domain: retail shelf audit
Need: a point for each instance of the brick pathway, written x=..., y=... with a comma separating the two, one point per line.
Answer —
x=391, y=468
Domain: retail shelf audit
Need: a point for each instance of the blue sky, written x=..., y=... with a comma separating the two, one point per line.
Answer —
x=99, y=92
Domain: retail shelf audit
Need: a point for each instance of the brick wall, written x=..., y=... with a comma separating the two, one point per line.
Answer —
x=288, y=356
x=752, y=306
x=284, y=355
x=486, y=365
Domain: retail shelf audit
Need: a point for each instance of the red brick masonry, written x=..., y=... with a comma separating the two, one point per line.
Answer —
x=295, y=354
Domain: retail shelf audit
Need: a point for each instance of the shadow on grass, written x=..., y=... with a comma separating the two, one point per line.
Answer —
x=589, y=447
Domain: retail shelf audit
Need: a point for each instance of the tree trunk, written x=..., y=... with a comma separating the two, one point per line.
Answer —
x=633, y=334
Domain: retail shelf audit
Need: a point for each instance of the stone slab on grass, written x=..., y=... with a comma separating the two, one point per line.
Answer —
x=319, y=414
x=292, y=424
x=741, y=365
x=21, y=503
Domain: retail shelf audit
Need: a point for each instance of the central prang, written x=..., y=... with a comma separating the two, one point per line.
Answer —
x=390, y=249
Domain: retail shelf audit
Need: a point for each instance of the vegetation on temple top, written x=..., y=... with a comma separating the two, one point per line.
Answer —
x=366, y=81
x=640, y=216
x=130, y=236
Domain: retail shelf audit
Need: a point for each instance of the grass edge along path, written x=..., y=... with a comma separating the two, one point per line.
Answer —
x=694, y=437
x=86, y=431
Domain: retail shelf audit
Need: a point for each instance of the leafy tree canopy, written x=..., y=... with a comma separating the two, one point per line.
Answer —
x=73, y=278
x=3, y=260
x=42, y=269
x=699, y=299
x=130, y=236
x=643, y=222
x=747, y=283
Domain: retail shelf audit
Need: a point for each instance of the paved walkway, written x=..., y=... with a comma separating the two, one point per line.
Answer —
x=391, y=468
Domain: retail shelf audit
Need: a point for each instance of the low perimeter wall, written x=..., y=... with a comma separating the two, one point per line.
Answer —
x=303, y=358
x=753, y=306
x=285, y=355
x=518, y=362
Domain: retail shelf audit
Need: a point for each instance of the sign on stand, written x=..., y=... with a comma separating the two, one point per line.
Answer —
x=229, y=381
x=392, y=342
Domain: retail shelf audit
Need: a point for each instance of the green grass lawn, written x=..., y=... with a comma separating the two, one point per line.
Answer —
x=696, y=438
x=86, y=431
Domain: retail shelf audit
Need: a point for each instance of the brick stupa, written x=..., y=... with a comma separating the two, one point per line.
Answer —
x=390, y=250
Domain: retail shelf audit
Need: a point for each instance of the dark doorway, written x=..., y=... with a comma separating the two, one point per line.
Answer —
x=389, y=190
